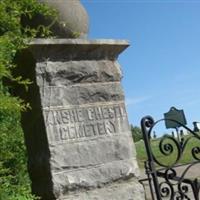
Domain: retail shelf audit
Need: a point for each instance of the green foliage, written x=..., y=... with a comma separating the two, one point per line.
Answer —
x=136, y=133
x=170, y=158
x=14, y=181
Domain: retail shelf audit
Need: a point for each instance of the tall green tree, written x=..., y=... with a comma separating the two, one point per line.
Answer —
x=14, y=181
x=136, y=133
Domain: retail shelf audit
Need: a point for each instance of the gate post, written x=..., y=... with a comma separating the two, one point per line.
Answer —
x=146, y=124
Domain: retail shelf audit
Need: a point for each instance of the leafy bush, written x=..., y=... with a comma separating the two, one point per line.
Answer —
x=136, y=133
x=14, y=181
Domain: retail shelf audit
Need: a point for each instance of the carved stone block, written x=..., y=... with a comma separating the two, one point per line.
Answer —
x=77, y=132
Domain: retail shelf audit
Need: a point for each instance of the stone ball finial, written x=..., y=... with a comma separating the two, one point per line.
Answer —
x=72, y=18
x=72, y=22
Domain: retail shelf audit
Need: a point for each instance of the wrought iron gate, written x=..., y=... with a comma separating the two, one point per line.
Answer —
x=168, y=177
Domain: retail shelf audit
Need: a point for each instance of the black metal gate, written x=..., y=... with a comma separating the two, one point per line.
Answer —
x=169, y=178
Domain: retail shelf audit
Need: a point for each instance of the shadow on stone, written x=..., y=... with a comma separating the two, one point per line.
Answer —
x=34, y=129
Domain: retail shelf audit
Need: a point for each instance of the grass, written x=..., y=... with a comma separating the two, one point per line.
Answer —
x=171, y=158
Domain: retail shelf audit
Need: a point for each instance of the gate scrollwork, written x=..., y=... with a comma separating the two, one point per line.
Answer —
x=170, y=180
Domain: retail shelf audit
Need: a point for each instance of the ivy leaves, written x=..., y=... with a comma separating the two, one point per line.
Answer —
x=14, y=182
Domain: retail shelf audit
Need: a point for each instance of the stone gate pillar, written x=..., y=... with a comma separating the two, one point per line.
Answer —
x=77, y=133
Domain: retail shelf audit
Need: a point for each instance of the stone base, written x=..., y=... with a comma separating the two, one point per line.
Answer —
x=129, y=190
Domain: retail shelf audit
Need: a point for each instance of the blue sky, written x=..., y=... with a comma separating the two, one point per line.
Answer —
x=161, y=68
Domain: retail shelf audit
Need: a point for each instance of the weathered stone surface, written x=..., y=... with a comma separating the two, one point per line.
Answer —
x=75, y=72
x=129, y=190
x=78, y=49
x=90, y=153
x=78, y=95
x=77, y=133
x=94, y=177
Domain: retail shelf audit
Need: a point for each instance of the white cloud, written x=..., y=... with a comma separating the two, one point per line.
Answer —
x=136, y=100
